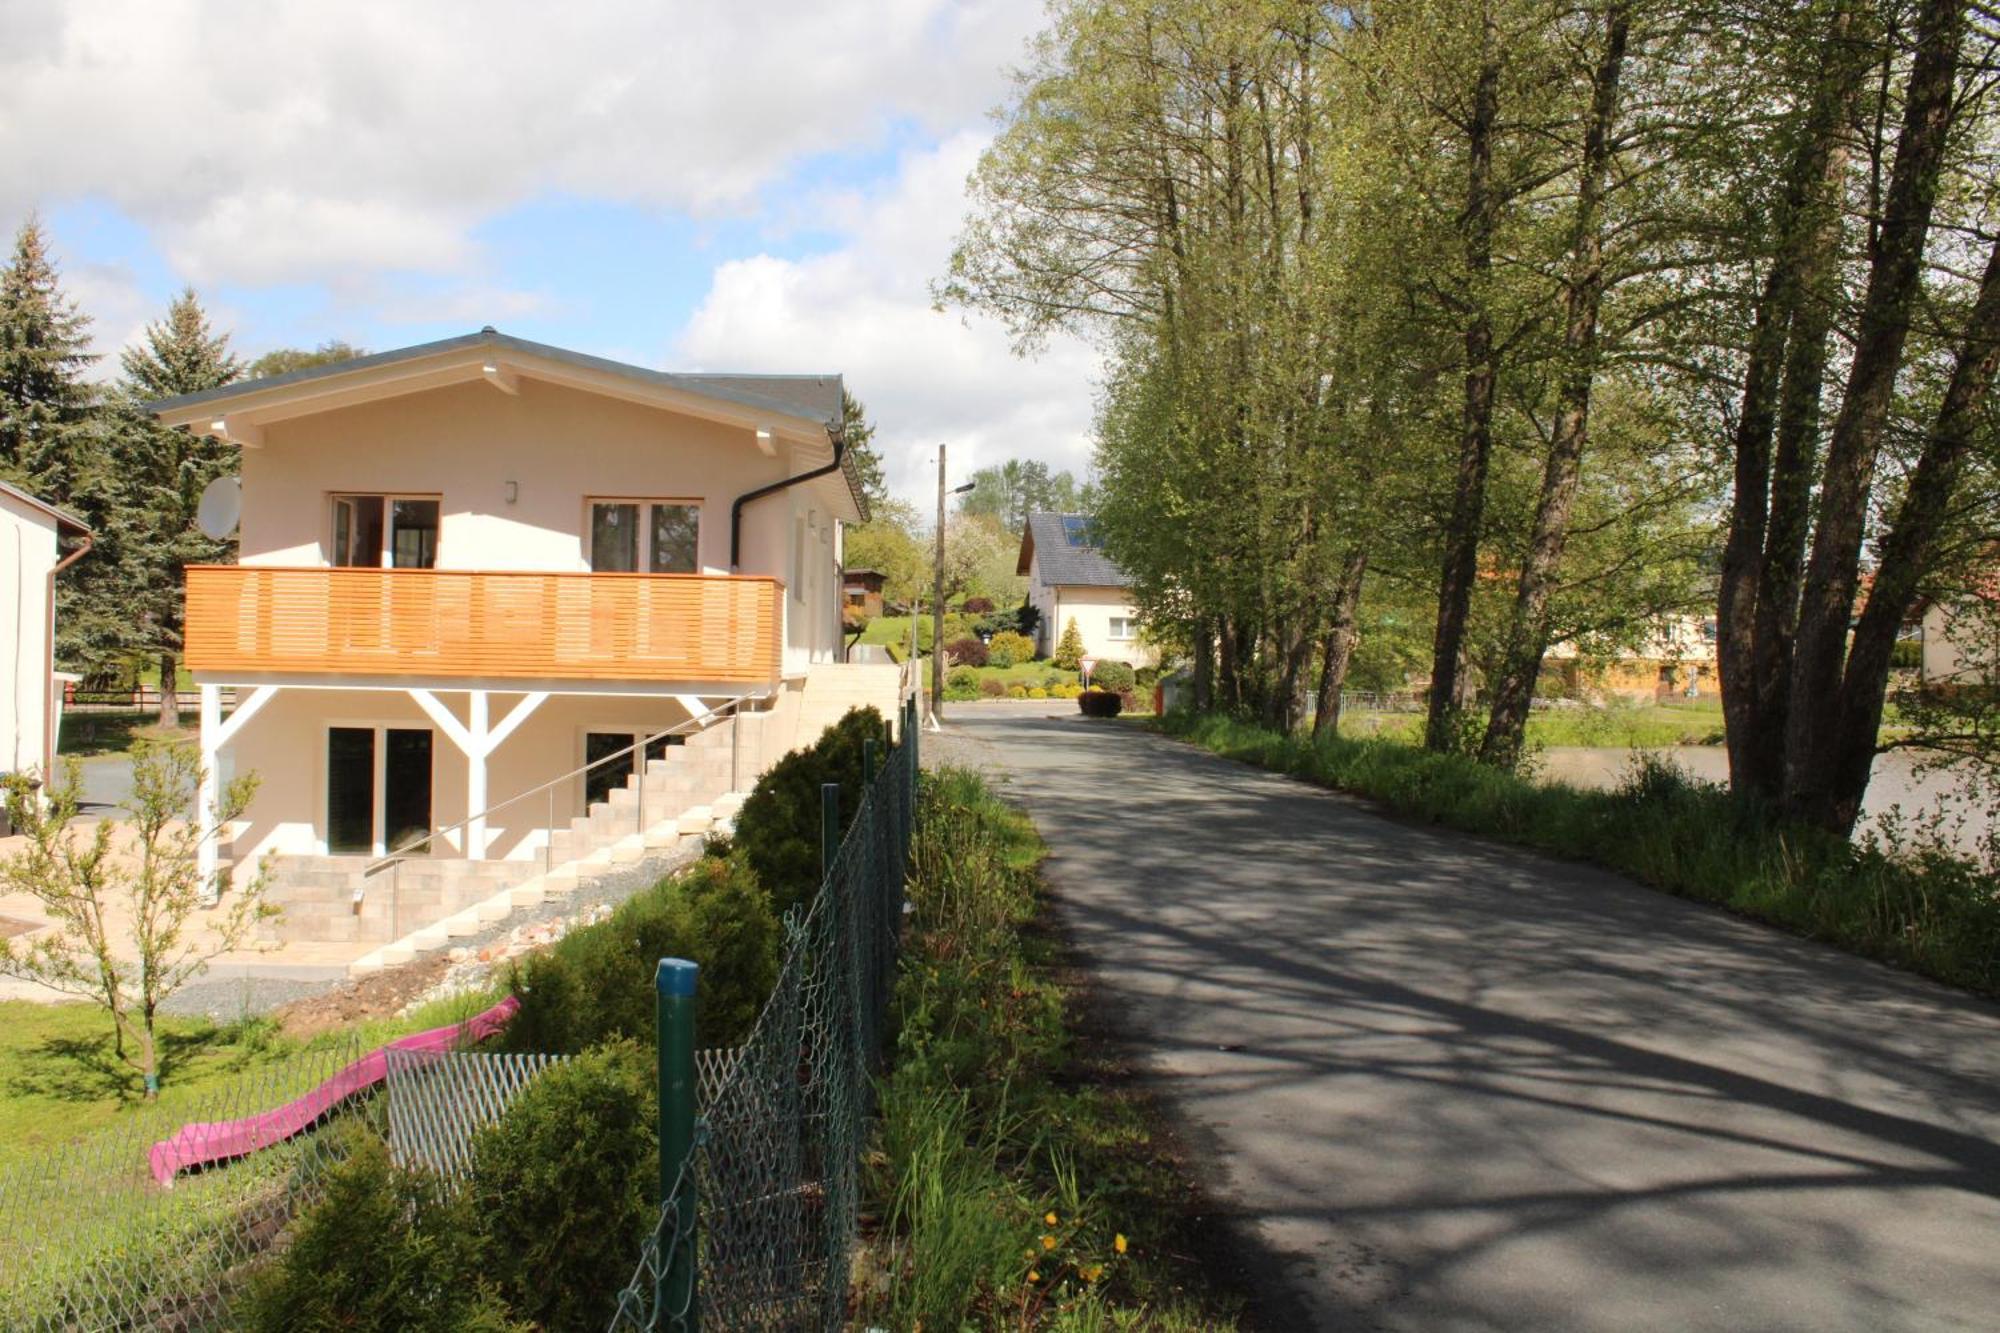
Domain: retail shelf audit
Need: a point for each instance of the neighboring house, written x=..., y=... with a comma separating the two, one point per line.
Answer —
x=31, y=537
x=1070, y=578
x=471, y=570
x=862, y=591
x=1961, y=639
x=1676, y=660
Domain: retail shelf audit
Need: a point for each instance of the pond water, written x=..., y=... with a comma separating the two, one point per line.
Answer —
x=1894, y=783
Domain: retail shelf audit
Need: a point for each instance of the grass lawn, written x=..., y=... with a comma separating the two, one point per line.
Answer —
x=1621, y=726
x=87, y=734
x=60, y=1080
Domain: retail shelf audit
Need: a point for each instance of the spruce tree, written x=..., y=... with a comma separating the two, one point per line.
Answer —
x=1069, y=651
x=45, y=403
x=160, y=475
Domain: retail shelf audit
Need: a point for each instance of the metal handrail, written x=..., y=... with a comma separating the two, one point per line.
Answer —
x=699, y=722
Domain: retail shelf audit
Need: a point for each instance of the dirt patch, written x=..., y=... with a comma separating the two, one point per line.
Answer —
x=379, y=995
x=12, y=926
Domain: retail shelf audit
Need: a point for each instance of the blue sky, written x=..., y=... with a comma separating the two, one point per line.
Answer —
x=696, y=186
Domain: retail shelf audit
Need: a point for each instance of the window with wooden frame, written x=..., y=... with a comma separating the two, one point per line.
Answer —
x=644, y=536
x=376, y=531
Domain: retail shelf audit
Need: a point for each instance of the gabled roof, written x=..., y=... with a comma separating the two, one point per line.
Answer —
x=1066, y=547
x=64, y=519
x=804, y=397
x=802, y=408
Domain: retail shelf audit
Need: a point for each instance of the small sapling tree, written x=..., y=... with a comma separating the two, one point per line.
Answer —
x=124, y=932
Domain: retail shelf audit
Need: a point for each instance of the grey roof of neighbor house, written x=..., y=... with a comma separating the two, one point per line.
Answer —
x=1064, y=561
x=816, y=397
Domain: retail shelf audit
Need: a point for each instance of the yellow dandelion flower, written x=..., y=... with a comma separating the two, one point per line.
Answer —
x=1049, y=1218
x=1119, y=1243
x=1094, y=1272
x=1034, y=1275
x=1048, y=1242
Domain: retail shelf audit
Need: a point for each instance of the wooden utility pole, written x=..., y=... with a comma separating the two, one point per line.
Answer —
x=937, y=601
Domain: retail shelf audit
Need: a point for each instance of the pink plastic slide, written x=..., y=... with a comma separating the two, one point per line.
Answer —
x=201, y=1144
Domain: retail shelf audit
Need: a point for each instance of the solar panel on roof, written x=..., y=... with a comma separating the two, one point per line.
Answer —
x=1080, y=531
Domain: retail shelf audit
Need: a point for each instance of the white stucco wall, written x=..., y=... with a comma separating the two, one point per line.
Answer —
x=27, y=554
x=561, y=448
x=1093, y=609
x=1956, y=644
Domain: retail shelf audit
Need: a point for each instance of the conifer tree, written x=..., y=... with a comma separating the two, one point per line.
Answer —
x=1069, y=652
x=159, y=476
x=44, y=351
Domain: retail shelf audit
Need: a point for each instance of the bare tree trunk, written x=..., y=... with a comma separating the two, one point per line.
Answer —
x=170, y=693
x=1910, y=546
x=1204, y=664
x=1757, y=603
x=1475, y=451
x=1229, y=687
x=1528, y=633
x=1337, y=649
x=1832, y=572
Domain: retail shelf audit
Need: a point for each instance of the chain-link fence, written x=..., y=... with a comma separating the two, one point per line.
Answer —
x=774, y=1173
x=91, y=1236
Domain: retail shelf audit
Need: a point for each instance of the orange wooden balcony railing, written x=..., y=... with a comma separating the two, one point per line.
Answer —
x=255, y=620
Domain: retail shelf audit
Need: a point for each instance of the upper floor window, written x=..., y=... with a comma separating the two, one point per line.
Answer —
x=1124, y=627
x=650, y=536
x=385, y=531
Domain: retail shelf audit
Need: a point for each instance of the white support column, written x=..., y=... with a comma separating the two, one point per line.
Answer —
x=475, y=776
x=208, y=800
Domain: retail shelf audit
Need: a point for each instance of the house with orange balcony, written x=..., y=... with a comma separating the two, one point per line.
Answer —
x=507, y=612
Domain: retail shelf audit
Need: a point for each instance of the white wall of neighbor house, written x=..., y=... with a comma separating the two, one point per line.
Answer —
x=27, y=554
x=1104, y=616
x=285, y=746
x=1953, y=650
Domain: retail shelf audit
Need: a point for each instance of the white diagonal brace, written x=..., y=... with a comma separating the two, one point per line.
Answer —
x=248, y=708
x=515, y=717
x=453, y=729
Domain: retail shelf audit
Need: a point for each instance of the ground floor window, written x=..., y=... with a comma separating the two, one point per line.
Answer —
x=378, y=790
x=1124, y=627
x=608, y=768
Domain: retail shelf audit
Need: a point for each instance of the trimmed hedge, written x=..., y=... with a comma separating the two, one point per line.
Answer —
x=1117, y=677
x=596, y=984
x=1100, y=703
x=778, y=828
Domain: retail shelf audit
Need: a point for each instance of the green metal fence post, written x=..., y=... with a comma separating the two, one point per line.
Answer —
x=829, y=829
x=674, y=987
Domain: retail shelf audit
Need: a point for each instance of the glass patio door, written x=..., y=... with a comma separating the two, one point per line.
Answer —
x=378, y=790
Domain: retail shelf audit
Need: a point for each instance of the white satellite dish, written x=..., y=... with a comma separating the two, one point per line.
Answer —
x=221, y=507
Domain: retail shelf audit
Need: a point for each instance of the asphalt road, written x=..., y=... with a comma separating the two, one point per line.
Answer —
x=1441, y=1084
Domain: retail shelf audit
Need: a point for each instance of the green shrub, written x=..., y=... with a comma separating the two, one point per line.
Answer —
x=384, y=1249
x=1009, y=648
x=1100, y=703
x=1037, y=692
x=1115, y=676
x=1017, y=691
x=960, y=684
x=778, y=828
x=596, y=984
x=563, y=1187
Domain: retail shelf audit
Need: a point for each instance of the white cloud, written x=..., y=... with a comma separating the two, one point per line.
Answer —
x=864, y=309
x=289, y=141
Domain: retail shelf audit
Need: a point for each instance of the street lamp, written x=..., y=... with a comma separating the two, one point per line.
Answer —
x=937, y=600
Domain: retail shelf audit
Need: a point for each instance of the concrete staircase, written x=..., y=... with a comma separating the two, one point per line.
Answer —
x=421, y=905
x=834, y=687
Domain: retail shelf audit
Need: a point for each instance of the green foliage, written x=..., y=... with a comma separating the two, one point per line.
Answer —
x=1908, y=900
x=778, y=829
x=384, y=1250
x=1008, y=492
x=45, y=401
x=961, y=683
x=596, y=984
x=1009, y=648
x=563, y=1187
x=861, y=449
x=1069, y=649
x=285, y=360
x=1009, y=1176
x=1115, y=676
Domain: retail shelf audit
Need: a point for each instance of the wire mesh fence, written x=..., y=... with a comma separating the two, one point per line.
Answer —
x=775, y=1169
x=110, y=1233
x=436, y=1102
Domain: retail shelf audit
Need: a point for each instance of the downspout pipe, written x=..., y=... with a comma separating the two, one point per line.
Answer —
x=836, y=433
x=49, y=694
